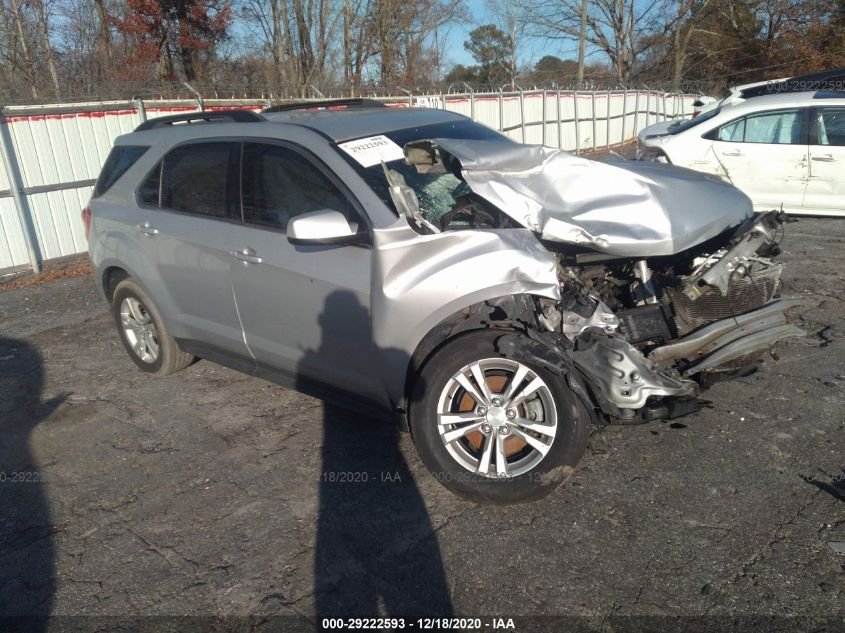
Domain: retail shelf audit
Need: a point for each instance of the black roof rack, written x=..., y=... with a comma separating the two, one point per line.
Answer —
x=829, y=80
x=231, y=116
x=326, y=105
x=832, y=94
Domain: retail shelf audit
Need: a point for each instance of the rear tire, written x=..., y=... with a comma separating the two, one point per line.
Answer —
x=519, y=444
x=143, y=332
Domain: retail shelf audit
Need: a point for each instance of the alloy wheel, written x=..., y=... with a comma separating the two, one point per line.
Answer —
x=497, y=418
x=139, y=329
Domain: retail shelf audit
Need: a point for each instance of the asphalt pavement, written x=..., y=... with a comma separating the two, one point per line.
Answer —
x=212, y=493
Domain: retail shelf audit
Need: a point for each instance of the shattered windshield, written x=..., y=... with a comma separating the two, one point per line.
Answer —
x=437, y=193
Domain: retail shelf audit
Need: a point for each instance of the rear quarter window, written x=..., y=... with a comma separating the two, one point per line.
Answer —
x=119, y=160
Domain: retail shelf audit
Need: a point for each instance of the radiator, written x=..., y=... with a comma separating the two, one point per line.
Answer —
x=744, y=294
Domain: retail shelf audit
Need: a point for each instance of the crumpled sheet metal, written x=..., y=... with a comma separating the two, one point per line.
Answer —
x=624, y=208
x=624, y=376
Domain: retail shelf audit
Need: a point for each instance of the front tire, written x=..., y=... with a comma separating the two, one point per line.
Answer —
x=494, y=429
x=144, y=333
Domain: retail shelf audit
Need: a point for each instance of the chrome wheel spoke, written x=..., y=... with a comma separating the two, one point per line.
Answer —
x=542, y=429
x=486, y=454
x=458, y=418
x=481, y=381
x=501, y=457
x=464, y=382
x=151, y=344
x=456, y=434
x=530, y=388
x=137, y=312
x=515, y=383
x=532, y=441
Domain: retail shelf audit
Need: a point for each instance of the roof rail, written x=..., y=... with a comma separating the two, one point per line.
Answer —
x=829, y=80
x=829, y=94
x=328, y=104
x=232, y=116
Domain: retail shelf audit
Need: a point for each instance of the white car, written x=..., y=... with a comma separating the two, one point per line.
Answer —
x=827, y=80
x=705, y=104
x=785, y=151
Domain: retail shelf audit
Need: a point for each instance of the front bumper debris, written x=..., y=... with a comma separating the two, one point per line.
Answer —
x=623, y=375
x=733, y=338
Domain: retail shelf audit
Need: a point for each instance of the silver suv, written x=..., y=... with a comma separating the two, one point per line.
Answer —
x=496, y=298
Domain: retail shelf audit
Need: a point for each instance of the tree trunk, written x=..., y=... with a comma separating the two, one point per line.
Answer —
x=47, y=48
x=27, y=56
x=582, y=42
x=104, y=30
x=279, y=74
x=678, y=59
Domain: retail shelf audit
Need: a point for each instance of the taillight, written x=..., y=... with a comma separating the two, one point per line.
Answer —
x=86, y=220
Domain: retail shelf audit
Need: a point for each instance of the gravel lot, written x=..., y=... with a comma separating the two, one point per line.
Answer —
x=209, y=493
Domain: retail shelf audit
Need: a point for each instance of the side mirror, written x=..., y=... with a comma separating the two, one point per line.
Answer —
x=324, y=227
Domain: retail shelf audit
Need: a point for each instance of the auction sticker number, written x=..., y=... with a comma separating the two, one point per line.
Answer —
x=373, y=150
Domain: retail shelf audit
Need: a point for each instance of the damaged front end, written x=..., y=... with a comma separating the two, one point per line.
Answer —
x=648, y=334
x=666, y=278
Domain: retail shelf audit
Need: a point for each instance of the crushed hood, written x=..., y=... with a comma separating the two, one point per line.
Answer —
x=624, y=208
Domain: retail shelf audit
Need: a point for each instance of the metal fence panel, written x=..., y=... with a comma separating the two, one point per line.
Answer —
x=12, y=242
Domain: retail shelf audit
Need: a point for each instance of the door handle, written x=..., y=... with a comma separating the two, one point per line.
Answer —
x=824, y=158
x=148, y=229
x=734, y=152
x=247, y=256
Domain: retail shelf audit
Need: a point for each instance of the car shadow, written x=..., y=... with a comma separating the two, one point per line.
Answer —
x=376, y=550
x=27, y=557
x=835, y=488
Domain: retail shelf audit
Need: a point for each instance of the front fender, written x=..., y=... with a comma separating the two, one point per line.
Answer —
x=421, y=280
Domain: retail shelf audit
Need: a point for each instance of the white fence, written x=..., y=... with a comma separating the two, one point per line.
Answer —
x=52, y=154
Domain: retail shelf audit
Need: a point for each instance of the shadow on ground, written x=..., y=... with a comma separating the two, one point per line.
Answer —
x=376, y=552
x=27, y=568
x=835, y=488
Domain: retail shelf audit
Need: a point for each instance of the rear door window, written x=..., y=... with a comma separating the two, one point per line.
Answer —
x=280, y=183
x=831, y=126
x=119, y=160
x=200, y=178
x=776, y=128
x=782, y=127
x=733, y=132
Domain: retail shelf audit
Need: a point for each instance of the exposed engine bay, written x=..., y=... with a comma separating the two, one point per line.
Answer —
x=647, y=335
x=646, y=323
x=670, y=323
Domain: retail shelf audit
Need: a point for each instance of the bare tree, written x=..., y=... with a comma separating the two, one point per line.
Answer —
x=42, y=22
x=510, y=17
x=357, y=39
x=18, y=52
x=298, y=36
x=687, y=17
x=616, y=27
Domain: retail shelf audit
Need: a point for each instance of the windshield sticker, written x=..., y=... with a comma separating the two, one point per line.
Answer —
x=373, y=150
